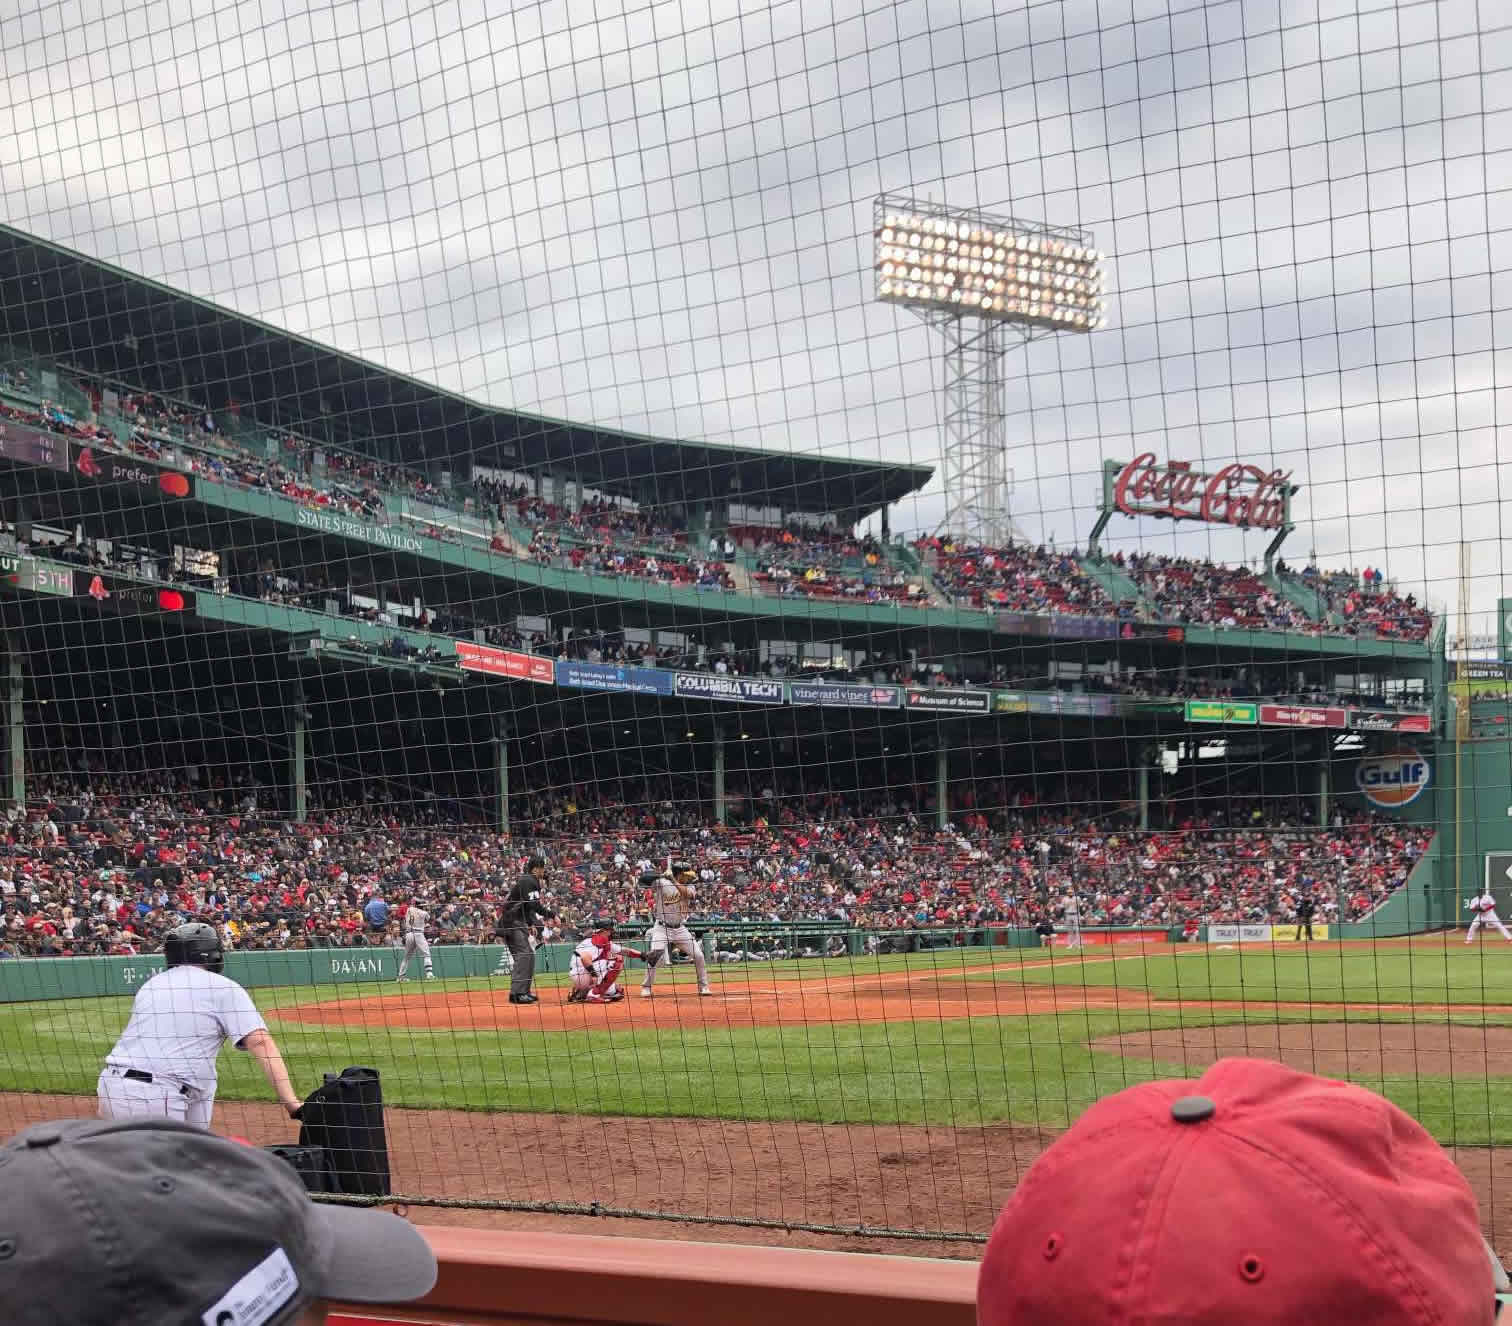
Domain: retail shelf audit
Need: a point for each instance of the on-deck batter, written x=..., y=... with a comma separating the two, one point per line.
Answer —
x=163, y=1067
x=412, y=928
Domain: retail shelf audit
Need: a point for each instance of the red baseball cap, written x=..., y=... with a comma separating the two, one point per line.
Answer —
x=1255, y=1195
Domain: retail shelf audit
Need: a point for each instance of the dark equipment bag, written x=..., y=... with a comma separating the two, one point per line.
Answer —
x=345, y=1117
x=311, y=1164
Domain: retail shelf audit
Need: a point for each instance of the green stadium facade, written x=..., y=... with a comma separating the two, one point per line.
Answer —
x=315, y=696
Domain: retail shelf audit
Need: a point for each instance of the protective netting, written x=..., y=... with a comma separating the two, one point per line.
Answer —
x=1010, y=500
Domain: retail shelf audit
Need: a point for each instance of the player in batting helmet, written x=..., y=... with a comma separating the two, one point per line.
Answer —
x=195, y=943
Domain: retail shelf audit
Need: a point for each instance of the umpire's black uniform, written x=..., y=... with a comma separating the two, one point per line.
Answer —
x=1306, y=910
x=522, y=909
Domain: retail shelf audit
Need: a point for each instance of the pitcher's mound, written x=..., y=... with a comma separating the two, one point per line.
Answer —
x=1331, y=1049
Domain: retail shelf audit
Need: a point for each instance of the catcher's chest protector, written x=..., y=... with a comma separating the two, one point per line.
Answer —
x=345, y=1116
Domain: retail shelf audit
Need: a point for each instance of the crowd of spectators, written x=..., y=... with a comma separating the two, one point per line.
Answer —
x=611, y=538
x=799, y=562
x=1016, y=578
x=1183, y=589
x=106, y=862
x=611, y=558
x=1365, y=605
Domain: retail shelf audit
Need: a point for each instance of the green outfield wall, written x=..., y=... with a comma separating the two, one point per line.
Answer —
x=24, y=980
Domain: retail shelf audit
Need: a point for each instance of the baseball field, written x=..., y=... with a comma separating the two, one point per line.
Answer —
x=894, y=1095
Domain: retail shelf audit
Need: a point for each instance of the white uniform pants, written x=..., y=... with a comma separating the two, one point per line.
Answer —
x=415, y=945
x=586, y=978
x=660, y=937
x=1486, y=919
x=125, y=1098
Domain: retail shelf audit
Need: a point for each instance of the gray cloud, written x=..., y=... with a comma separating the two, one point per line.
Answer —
x=662, y=221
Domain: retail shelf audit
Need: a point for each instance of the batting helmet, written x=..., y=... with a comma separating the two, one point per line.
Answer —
x=682, y=868
x=195, y=943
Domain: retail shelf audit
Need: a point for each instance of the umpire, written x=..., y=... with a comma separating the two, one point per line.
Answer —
x=522, y=909
x=1307, y=908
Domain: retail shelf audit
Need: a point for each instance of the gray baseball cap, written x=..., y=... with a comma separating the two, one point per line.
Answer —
x=148, y=1223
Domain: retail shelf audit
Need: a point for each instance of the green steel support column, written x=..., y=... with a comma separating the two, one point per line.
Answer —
x=721, y=808
x=15, y=734
x=942, y=788
x=297, y=762
x=1144, y=795
x=501, y=757
x=1325, y=791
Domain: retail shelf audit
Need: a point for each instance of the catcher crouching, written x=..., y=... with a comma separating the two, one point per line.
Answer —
x=596, y=966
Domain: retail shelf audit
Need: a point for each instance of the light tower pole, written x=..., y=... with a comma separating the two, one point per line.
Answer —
x=987, y=283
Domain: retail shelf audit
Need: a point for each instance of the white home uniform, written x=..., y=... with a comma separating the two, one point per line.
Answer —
x=163, y=1067
x=597, y=963
x=1484, y=908
x=415, y=943
x=669, y=918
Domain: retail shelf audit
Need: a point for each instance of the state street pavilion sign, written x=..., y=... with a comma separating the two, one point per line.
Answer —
x=1242, y=495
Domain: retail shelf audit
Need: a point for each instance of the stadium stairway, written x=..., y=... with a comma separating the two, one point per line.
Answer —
x=1304, y=596
x=1115, y=584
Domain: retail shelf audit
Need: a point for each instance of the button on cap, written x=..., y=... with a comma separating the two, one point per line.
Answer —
x=1193, y=1109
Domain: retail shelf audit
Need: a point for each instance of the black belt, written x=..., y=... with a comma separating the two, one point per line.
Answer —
x=137, y=1075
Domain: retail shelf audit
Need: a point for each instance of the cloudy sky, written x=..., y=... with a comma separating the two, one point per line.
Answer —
x=658, y=216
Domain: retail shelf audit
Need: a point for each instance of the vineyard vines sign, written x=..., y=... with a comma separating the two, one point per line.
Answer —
x=1239, y=494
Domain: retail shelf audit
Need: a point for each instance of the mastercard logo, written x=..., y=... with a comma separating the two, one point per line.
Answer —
x=170, y=600
x=174, y=485
x=1395, y=779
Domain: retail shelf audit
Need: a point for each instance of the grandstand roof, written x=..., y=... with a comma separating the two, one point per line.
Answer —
x=64, y=305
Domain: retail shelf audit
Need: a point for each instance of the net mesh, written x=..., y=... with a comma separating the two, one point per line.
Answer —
x=1010, y=499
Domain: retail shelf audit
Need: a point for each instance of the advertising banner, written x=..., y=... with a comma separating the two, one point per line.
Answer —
x=1290, y=715
x=941, y=700
x=1393, y=779
x=734, y=690
x=31, y=446
x=1084, y=628
x=1296, y=934
x=608, y=677
x=1009, y=702
x=36, y=577
x=474, y=657
x=131, y=595
x=1374, y=720
x=1069, y=705
x=1481, y=670
x=1240, y=494
x=1222, y=711
x=843, y=695
x=1239, y=934
x=1107, y=937
x=146, y=476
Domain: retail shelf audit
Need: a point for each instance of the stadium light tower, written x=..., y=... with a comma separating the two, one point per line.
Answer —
x=987, y=283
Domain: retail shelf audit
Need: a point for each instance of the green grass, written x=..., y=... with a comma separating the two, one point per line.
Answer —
x=1291, y=973
x=1035, y=1070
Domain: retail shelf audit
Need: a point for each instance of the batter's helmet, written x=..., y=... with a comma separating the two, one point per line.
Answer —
x=195, y=943
x=682, y=868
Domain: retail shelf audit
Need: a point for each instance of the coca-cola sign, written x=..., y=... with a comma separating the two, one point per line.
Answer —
x=1239, y=494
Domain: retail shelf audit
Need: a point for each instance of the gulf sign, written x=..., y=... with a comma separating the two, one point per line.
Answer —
x=1394, y=779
